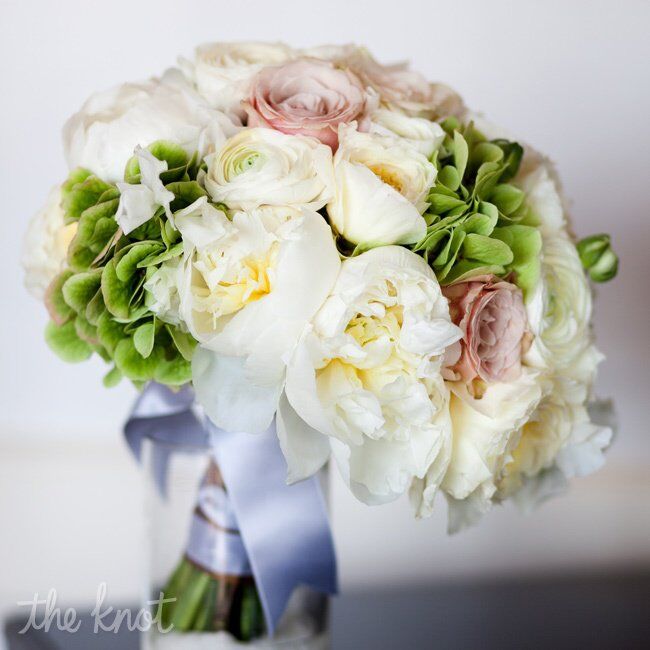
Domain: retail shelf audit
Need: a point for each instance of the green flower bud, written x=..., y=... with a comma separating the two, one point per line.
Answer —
x=597, y=257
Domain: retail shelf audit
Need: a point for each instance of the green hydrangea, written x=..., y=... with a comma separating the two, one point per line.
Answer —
x=98, y=303
x=477, y=222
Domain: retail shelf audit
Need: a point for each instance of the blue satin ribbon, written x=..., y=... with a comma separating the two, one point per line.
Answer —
x=285, y=528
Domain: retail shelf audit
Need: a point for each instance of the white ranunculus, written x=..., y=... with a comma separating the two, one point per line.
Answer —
x=485, y=432
x=101, y=137
x=261, y=166
x=365, y=380
x=559, y=313
x=543, y=196
x=422, y=134
x=248, y=288
x=222, y=71
x=46, y=245
x=381, y=189
x=139, y=202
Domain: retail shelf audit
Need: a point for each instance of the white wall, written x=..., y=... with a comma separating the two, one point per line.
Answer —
x=570, y=77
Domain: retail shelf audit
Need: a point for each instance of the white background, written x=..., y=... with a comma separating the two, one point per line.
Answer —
x=571, y=78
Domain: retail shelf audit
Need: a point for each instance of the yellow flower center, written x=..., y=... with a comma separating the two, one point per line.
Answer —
x=389, y=176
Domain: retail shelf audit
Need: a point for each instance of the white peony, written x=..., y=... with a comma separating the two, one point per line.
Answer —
x=364, y=383
x=46, y=245
x=422, y=134
x=381, y=189
x=485, y=431
x=248, y=287
x=101, y=137
x=139, y=202
x=559, y=313
x=260, y=167
x=222, y=71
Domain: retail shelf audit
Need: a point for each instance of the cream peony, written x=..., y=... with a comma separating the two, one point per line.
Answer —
x=46, y=245
x=381, y=189
x=101, y=137
x=264, y=167
x=247, y=288
x=485, y=431
x=364, y=382
x=222, y=71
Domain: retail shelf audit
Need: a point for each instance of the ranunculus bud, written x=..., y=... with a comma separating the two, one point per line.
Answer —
x=492, y=316
x=306, y=97
x=597, y=257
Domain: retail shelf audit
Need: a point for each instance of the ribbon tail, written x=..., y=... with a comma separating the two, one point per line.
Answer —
x=285, y=528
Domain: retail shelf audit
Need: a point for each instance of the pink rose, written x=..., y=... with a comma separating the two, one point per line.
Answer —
x=492, y=316
x=402, y=88
x=306, y=97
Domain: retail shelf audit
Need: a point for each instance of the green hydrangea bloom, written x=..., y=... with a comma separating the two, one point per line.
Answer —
x=98, y=304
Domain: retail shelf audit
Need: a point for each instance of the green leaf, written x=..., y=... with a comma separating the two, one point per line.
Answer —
x=461, y=153
x=143, y=338
x=109, y=332
x=65, y=342
x=81, y=288
x=449, y=177
x=80, y=196
x=513, y=153
x=155, y=260
x=95, y=307
x=132, y=364
x=525, y=242
x=466, y=269
x=112, y=377
x=174, y=372
x=128, y=263
x=59, y=310
x=85, y=330
x=507, y=198
x=185, y=193
x=441, y=203
x=184, y=343
x=97, y=226
x=487, y=250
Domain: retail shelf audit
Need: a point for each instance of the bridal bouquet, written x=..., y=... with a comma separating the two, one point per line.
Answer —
x=316, y=240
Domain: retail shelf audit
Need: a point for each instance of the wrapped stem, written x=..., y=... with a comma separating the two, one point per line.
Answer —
x=213, y=587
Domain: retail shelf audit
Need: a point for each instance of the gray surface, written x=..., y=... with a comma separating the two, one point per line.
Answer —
x=573, y=612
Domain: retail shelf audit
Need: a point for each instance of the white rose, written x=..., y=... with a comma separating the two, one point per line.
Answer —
x=46, y=245
x=381, y=189
x=248, y=288
x=222, y=71
x=101, y=137
x=559, y=313
x=422, y=134
x=260, y=167
x=364, y=383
